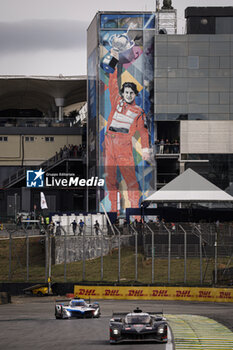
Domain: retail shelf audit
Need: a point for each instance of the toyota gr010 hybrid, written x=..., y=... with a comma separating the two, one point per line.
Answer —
x=138, y=326
x=78, y=308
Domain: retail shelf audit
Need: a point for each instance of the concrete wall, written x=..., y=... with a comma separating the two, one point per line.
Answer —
x=206, y=136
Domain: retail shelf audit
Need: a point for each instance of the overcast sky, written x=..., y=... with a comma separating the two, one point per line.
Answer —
x=48, y=37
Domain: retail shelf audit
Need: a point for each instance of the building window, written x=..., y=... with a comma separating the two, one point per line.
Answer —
x=49, y=139
x=193, y=62
x=29, y=138
x=3, y=138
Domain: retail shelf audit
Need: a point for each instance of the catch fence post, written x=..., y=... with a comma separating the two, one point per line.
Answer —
x=65, y=253
x=84, y=254
x=169, y=254
x=27, y=256
x=119, y=252
x=136, y=255
x=200, y=244
x=152, y=253
x=185, y=253
x=216, y=258
x=102, y=261
x=46, y=256
x=10, y=256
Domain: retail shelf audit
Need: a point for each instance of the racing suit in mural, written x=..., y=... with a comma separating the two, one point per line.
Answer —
x=124, y=121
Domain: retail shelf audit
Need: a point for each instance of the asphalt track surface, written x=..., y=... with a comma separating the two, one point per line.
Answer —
x=29, y=323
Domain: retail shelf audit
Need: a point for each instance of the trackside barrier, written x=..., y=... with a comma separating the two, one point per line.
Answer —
x=5, y=298
x=155, y=293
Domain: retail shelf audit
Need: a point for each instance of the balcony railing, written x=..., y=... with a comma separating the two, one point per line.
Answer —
x=36, y=122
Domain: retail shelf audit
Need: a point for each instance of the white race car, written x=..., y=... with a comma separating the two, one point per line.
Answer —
x=77, y=308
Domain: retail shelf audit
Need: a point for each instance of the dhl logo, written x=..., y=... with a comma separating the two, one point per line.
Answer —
x=183, y=293
x=226, y=295
x=204, y=294
x=159, y=293
x=135, y=293
x=87, y=291
x=110, y=292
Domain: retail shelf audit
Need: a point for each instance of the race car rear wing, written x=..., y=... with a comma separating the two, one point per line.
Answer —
x=68, y=300
x=123, y=314
x=119, y=316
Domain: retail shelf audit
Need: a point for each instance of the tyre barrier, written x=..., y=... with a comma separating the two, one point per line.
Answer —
x=5, y=298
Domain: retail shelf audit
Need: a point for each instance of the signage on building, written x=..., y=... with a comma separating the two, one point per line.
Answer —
x=39, y=178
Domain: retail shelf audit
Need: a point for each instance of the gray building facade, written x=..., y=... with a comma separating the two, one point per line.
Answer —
x=193, y=92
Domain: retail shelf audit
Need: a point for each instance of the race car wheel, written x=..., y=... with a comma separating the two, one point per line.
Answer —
x=39, y=294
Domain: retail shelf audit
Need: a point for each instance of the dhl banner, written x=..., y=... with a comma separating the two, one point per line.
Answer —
x=155, y=293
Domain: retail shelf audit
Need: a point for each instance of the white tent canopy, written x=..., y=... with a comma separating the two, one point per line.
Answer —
x=189, y=187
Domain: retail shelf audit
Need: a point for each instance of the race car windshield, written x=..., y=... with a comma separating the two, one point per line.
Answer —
x=130, y=319
x=78, y=303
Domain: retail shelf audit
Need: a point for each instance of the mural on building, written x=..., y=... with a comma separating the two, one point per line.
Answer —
x=92, y=109
x=126, y=110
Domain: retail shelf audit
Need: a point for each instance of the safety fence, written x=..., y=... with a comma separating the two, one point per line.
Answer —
x=150, y=253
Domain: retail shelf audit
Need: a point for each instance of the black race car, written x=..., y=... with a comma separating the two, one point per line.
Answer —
x=138, y=326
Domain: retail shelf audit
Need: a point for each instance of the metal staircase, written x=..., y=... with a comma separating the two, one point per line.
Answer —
x=46, y=166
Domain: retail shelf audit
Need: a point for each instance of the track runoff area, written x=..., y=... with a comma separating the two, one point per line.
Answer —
x=186, y=331
x=198, y=332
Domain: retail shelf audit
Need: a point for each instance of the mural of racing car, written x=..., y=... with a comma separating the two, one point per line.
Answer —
x=138, y=326
x=76, y=308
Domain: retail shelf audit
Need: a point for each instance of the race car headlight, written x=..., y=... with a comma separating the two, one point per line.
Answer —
x=96, y=312
x=68, y=313
x=115, y=331
x=161, y=329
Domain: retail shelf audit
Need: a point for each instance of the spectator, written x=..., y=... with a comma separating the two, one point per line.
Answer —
x=75, y=151
x=167, y=146
x=47, y=221
x=97, y=227
x=74, y=226
x=28, y=222
x=81, y=224
x=156, y=148
x=173, y=227
x=19, y=220
x=58, y=228
x=161, y=146
x=65, y=152
x=175, y=146
x=61, y=153
x=51, y=227
x=41, y=218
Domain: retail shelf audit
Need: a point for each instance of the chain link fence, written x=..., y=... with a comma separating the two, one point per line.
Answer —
x=152, y=253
